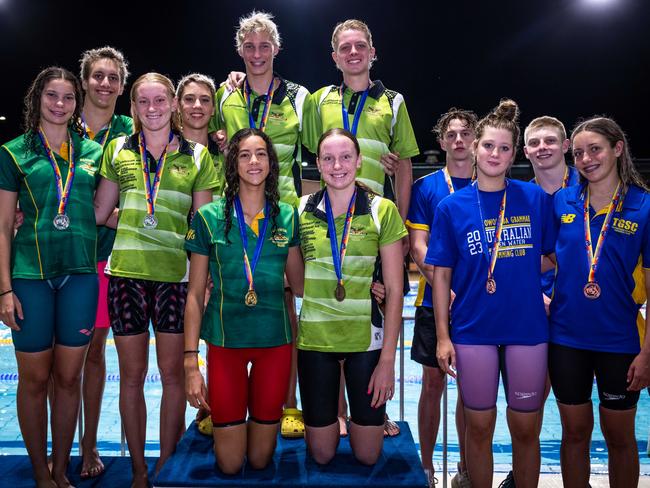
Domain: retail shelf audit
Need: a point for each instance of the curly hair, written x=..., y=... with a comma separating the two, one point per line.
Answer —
x=468, y=118
x=613, y=133
x=32, y=110
x=232, y=178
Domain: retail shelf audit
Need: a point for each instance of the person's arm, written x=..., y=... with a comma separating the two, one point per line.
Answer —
x=9, y=303
x=295, y=271
x=106, y=198
x=200, y=198
x=195, y=389
x=382, y=381
x=419, y=244
x=235, y=80
x=638, y=376
x=441, y=299
x=403, y=184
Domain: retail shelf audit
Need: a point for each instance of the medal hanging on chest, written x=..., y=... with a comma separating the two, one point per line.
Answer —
x=338, y=253
x=592, y=289
x=490, y=283
x=61, y=221
x=250, y=297
x=267, y=105
x=150, y=220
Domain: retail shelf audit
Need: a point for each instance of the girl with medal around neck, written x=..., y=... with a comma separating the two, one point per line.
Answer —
x=487, y=241
x=159, y=177
x=246, y=241
x=603, y=257
x=49, y=265
x=350, y=225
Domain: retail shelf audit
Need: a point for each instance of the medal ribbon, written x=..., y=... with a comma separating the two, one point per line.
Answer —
x=151, y=190
x=565, y=180
x=267, y=105
x=594, y=257
x=86, y=130
x=338, y=255
x=450, y=183
x=249, y=268
x=62, y=191
x=492, y=260
x=357, y=112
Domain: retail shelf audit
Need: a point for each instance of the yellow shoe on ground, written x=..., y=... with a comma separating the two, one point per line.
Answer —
x=292, y=425
x=205, y=426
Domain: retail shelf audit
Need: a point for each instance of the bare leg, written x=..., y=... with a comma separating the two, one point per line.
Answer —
x=366, y=442
x=31, y=399
x=322, y=442
x=461, y=431
x=67, y=366
x=290, y=303
x=343, y=407
x=169, y=353
x=230, y=447
x=618, y=430
x=133, y=355
x=478, y=447
x=261, y=443
x=525, y=447
x=429, y=412
x=577, y=424
x=94, y=378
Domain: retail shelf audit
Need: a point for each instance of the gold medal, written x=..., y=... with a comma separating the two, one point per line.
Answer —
x=591, y=290
x=339, y=293
x=491, y=286
x=250, y=299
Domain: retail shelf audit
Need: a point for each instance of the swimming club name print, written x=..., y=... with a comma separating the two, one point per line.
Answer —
x=516, y=237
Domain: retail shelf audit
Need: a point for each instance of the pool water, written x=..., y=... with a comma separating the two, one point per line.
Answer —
x=110, y=432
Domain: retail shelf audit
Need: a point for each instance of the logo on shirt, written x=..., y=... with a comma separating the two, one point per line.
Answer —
x=88, y=167
x=279, y=237
x=358, y=233
x=191, y=235
x=277, y=116
x=567, y=218
x=179, y=170
x=623, y=226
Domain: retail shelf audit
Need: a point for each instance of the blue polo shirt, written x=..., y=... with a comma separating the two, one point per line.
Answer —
x=514, y=314
x=607, y=323
x=425, y=197
x=549, y=276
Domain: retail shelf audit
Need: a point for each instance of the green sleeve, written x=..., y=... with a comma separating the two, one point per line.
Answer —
x=198, y=238
x=403, y=141
x=215, y=121
x=392, y=227
x=312, y=125
x=9, y=172
x=207, y=179
x=294, y=240
x=106, y=168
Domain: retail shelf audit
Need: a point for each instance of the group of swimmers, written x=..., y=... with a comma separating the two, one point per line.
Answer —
x=216, y=173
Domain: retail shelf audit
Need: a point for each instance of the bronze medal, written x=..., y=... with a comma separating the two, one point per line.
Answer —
x=250, y=299
x=339, y=293
x=491, y=286
x=591, y=290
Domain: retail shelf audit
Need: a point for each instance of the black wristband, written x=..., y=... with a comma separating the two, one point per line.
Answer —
x=191, y=351
x=6, y=292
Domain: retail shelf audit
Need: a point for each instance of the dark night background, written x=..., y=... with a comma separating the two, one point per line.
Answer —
x=568, y=58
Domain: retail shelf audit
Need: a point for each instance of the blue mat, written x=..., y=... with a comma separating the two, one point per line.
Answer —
x=399, y=466
x=17, y=472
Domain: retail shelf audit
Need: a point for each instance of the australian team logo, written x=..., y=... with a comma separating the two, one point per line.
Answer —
x=279, y=237
x=88, y=166
x=179, y=170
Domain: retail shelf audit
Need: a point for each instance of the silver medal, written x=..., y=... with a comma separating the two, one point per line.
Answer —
x=61, y=222
x=150, y=222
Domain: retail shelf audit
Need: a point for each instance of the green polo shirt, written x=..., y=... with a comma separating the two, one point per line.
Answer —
x=227, y=321
x=284, y=126
x=384, y=126
x=39, y=251
x=154, y=254
x=326, y=324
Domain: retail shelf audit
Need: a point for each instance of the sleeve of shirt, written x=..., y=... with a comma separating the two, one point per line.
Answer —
x=392, y=227
x=442, y=250
x=10, y=175
x=312, y=126
x=207, y=179
x=419, y=215
x=215, y=120
x=403, y=141
x=106, y=168
x=294, y=240
x=549, y=225
x=199, y=237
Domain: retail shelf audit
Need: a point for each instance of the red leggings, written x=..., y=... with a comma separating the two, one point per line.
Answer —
x=232, y=391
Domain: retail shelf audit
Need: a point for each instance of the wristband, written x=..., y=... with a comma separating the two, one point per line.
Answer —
x=6, y=292
x=191, y=351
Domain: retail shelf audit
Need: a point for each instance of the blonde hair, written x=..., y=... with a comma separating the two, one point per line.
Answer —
x=257, y=22
x=169, y=86
x=196, y=78
x=352, y=24
x=545, y=121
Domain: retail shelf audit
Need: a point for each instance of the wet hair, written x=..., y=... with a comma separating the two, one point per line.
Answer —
x=107, y=52
x=504, y=116
x=169, y=86
x=545, y=121
x=32, y=109
x=271, y=191
x=336, y=131
x=257, y=22
x=468, y=117
x=352, y=24
x=199, y=78
x=613, y=133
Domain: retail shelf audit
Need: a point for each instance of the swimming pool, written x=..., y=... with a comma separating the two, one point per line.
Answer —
x=109, y=427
